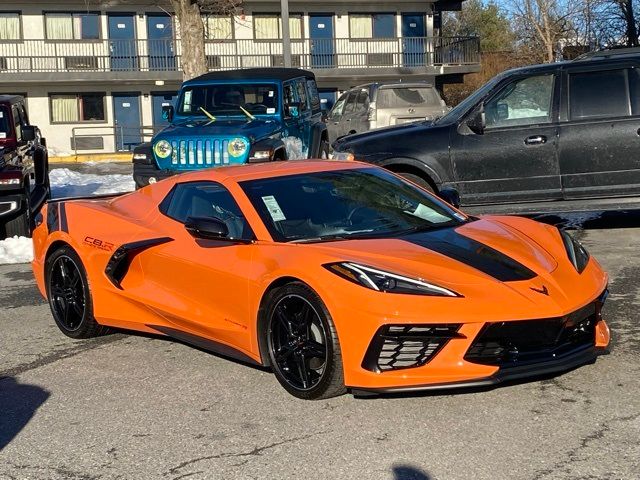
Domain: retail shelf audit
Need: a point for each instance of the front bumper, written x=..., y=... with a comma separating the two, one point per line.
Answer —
x=143, y=172
x=473, y=355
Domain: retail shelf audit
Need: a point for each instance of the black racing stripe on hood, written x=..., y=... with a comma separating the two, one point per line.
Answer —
x=450, y=243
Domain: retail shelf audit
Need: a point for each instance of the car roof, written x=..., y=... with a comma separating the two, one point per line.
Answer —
x=11, y=99
x=255, y=171
x=278, y=74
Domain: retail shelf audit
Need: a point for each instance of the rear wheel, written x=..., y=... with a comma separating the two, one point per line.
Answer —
x=69, y=295
x=302, y=343
x=418, y=181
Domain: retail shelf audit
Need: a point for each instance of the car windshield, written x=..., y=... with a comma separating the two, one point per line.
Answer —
x=345, y=204
x=407, y=97
x=460, y=109
x=257, y=99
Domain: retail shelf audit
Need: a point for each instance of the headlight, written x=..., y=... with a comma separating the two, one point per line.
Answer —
x=262, y=154
x=575, y=251
x=139, y=156
x=162, y=149
x=382, y=281
x=237, y=147
x=343, y=156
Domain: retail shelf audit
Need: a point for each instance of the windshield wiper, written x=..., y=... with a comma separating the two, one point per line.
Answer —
x=211, y=117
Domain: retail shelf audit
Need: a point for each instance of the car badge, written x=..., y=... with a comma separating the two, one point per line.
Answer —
x=542, y=290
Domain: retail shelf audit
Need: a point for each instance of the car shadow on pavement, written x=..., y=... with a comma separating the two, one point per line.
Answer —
x=407, y=472
x=18, y=404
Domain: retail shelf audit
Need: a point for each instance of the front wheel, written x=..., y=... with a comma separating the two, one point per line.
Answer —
x=302, y=343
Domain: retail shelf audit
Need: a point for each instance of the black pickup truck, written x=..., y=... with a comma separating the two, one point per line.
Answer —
x=554, y=137
x=24, y=168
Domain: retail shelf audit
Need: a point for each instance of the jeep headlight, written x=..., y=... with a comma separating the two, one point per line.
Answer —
x=237, y=147
x=383, y=281
x=575, y=251
x=162, y=149
x=348, y=156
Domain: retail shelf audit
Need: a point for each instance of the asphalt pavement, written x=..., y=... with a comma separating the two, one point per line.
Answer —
x=129, y=406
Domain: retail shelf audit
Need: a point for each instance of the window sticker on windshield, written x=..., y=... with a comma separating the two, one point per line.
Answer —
x=426, y=213
x=274, y=209
x=1, y=114
x=270, y=111
x=271, y=93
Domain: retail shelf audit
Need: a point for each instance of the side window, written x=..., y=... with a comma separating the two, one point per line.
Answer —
x=302, y=94
x=526, y=101
x=362, y=105
x=350, y=106
x=206, y=199
x=338, y=108
x=17, y=121
x=23, y=114
x=314, y=96
x=288, y=94
x=586, y=99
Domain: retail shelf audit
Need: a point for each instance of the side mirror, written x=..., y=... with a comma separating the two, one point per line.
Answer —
x=167, y=112
x=28, y=133
x=293, y=110
x=450, y=195
x=477, y=122
x=208, y=228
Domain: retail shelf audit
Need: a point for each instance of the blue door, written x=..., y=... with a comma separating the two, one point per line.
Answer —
x=122, y=42
x=413, y=39
x=126, y=113
x=159, y=100
x=322, y=41
x=160, y=42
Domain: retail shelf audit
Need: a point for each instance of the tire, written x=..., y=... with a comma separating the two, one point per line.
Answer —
x=21, y=225
x=70, y=296
x=302, y=343
x=418, y=181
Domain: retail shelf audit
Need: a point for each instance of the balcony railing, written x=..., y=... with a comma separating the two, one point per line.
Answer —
x=35, y=56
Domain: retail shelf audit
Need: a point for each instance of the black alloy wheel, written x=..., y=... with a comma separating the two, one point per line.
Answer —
x=69, y=295
x=303, y=345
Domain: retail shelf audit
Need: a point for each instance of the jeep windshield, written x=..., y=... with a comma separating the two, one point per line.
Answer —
x=220, y=100
x=345, y=204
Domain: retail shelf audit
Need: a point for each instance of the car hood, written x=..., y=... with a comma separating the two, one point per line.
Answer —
x=379, y=134
x=253, y=129
x=477, y=251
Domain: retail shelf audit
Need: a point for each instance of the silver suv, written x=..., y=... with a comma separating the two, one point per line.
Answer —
x=376, y=105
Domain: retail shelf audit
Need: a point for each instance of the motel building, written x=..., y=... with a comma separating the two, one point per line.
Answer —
x=96, y=78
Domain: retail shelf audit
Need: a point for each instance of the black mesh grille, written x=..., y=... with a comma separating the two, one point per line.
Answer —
x=406, y=346
x=529, y=341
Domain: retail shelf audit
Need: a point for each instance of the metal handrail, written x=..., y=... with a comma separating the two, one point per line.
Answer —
x=63, y=56
x=118, y=132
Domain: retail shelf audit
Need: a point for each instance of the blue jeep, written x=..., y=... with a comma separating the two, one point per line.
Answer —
x=235, y=117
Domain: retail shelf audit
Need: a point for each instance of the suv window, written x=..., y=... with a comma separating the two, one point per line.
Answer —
x=302, y=94
x=338, y=108
x=525, y=101
x=206, y=199
x=17, y=121
x=313, y=94
x=5, y=123
x=587, y=101
x=351, y=102
x=362, y=106
x=407, y=97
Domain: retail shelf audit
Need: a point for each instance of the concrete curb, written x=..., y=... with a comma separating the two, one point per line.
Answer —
x=92, y=157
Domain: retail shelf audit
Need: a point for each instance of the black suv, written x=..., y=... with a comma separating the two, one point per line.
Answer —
x=559, y=136
x=24, y=168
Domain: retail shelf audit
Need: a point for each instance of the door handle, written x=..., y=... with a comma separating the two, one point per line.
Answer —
x=535, y=140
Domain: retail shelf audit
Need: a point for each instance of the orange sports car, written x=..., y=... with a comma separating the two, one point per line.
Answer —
x=337, y=275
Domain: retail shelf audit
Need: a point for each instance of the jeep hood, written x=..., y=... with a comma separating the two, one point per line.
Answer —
x=223, y=127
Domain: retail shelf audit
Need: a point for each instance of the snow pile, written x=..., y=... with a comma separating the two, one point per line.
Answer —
x=67, y=183
x=16, y=250
x=295, y=149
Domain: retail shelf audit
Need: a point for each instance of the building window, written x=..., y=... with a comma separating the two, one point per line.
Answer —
x=218, y=27
x=9, y=26
x=269, y=27
x=72, y=26
x=83, y=107
x=379, y=25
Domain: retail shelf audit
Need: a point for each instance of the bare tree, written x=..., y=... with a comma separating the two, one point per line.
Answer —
x=542, y=24
x=189, y=14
